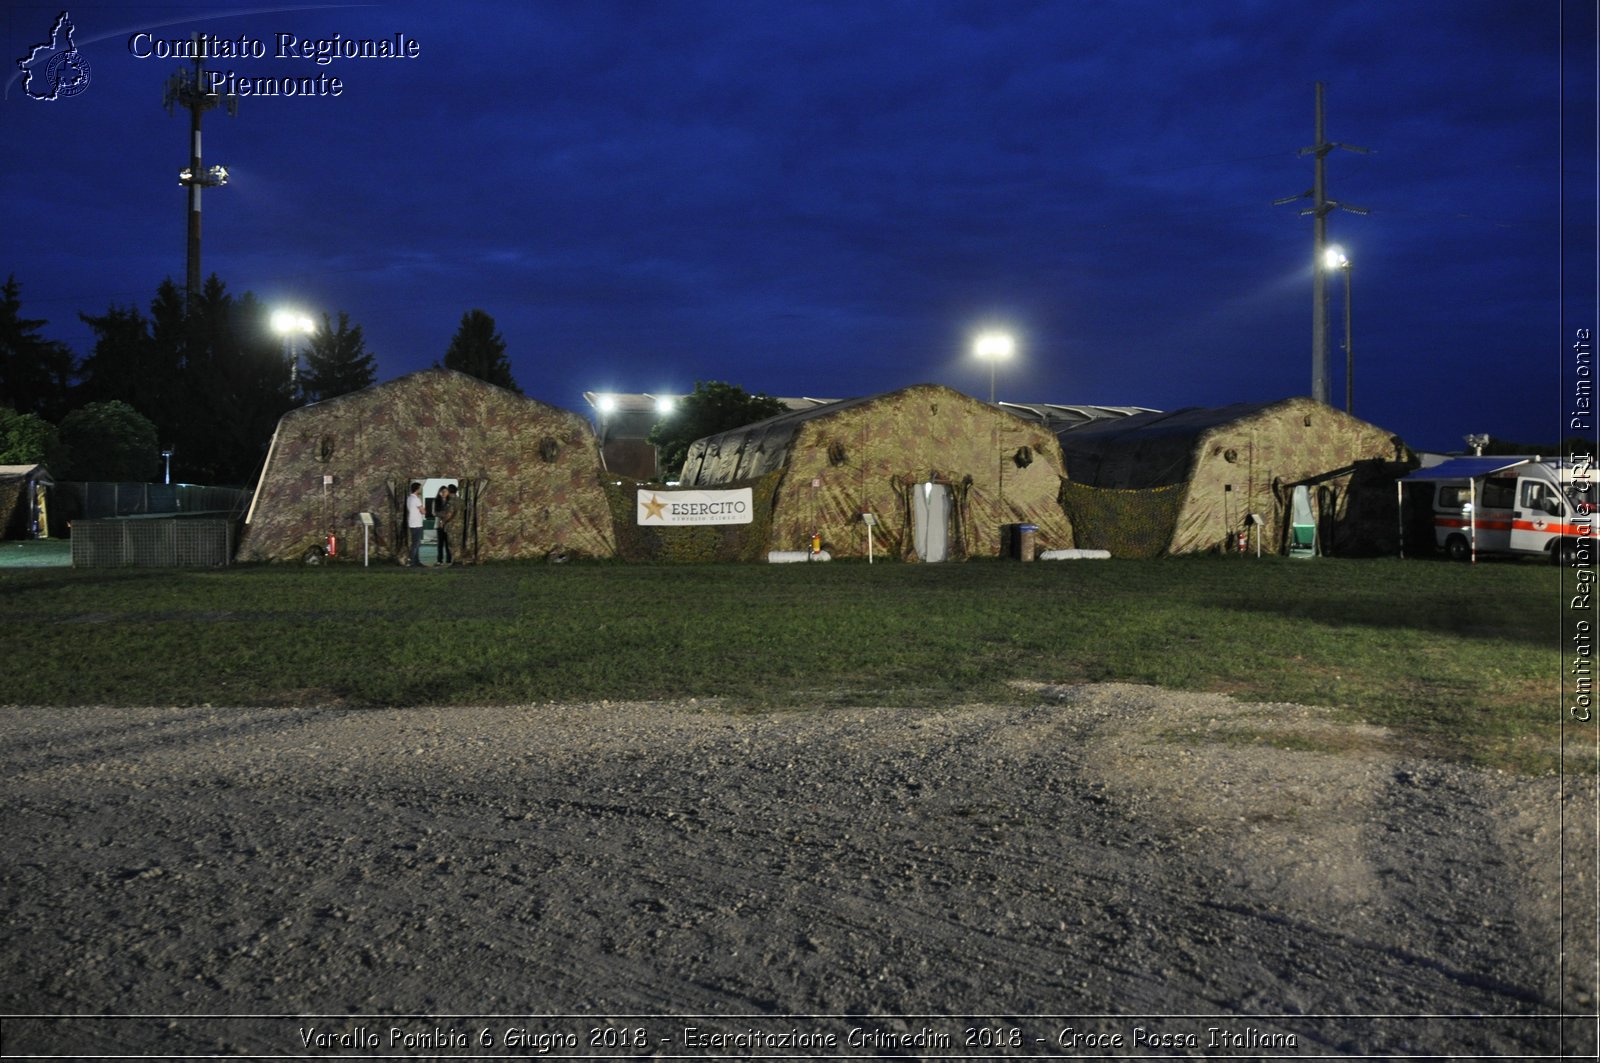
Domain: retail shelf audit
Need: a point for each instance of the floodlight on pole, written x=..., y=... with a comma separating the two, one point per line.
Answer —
x=1334, y=258
x=291, y=325
x=994, y=347
x=1320, y=207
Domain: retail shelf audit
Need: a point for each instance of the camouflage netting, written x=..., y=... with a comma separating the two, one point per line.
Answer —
x=14, y=508
x=867, y=454
x=712, y=542
x=1131, y=523
x=529, y=473
x=1234, y=461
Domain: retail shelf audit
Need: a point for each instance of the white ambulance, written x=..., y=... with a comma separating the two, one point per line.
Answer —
x=1511, y=506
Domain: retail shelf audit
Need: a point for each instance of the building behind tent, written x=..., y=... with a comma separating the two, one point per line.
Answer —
x=1196, y=479
x=940, y=472
x=528, y=473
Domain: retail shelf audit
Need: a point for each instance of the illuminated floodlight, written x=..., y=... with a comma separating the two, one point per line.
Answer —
x=1334, y=258
x=994, y=347
x=664, y=405
x=215, y=177
x=292, y=322
x=606, y=404
x=291, y=325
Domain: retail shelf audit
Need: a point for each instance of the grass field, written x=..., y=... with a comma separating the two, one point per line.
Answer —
x=1463, y=659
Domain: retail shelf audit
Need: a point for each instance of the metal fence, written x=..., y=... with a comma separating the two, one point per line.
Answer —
x=153, y=542
x=77, y=500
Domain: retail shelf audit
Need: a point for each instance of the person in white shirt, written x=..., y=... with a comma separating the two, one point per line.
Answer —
x=414, y=510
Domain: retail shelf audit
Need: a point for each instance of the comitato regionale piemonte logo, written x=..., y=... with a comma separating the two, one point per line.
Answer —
x=55, y=69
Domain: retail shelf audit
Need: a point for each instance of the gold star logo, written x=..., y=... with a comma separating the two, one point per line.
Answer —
x=653, y=508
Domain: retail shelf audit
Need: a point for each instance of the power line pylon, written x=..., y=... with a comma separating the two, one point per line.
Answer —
x=1320, y=207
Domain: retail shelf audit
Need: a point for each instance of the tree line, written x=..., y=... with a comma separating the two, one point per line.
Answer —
x=205, y=380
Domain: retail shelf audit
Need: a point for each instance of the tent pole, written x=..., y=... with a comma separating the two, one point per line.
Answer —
x=1400, y=515
x=1472, y=519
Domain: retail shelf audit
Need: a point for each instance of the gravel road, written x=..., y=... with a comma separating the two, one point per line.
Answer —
x=1091, y=870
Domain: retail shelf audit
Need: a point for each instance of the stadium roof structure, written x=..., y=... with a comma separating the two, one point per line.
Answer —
x=1062, y=417
x=644, y=402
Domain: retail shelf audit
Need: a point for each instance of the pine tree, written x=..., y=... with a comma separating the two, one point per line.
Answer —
x=128, y=365
x=208, y=372
x=338, y=361
x=238, y=385
x=478, y=350
x=35, y=373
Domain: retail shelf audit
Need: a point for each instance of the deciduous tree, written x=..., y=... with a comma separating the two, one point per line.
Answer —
x=111, y=441
x=28, y=439
x=713, y=407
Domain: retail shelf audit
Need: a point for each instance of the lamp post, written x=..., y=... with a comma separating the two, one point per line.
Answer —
x=1335, y=258
x=993, y=347
x=291, y=325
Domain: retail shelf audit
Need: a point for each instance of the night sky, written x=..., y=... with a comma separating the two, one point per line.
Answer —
x=830, y=199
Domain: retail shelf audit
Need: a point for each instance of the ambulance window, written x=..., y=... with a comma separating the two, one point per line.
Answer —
x=1452, y=497
x=1499, y=494
x=1538, y=496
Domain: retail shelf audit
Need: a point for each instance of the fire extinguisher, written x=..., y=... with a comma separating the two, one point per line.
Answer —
x=1243, y=538
x=333, y=545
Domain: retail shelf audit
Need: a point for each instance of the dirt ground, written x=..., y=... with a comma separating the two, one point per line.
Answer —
x=1090, y=871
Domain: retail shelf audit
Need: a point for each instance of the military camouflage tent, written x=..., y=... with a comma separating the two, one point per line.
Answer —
x=24, y=513
x=940, y=472
x=1187, y=481
x=528, y=473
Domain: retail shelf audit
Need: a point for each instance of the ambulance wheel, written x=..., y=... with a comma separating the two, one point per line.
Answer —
x=1564, y=551
x=1457, y=548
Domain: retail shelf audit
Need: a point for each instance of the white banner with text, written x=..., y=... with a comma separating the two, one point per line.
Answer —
x=670, y=508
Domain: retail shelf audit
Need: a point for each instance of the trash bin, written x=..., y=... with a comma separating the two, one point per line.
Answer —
x=1027, y=540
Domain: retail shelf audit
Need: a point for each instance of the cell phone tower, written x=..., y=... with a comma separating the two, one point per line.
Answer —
x=186, y=89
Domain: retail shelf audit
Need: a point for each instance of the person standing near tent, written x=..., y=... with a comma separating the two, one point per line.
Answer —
x=414, y=510
x=444, y=511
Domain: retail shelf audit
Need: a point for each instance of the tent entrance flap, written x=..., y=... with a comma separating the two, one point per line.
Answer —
x=930, y=518
x=1302, y=524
